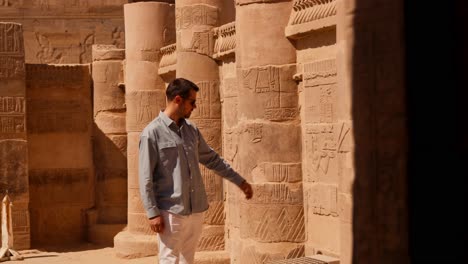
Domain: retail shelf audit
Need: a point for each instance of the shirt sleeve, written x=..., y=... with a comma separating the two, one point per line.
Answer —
x=212, y=160
x=147, y=162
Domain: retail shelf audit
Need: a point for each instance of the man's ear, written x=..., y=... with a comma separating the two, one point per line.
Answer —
x=177, y=99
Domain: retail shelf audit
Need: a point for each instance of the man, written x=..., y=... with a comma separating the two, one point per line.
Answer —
x=171, y=184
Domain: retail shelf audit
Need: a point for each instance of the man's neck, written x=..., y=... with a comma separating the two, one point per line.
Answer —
x=172, y=114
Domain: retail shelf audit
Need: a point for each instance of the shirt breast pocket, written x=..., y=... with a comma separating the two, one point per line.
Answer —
x=168, y=155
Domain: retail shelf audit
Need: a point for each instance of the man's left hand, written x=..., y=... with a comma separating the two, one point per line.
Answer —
x=247, y=189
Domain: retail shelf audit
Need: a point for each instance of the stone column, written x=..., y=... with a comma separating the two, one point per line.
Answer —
x=13, y=139
x=148, y=26
x=110, y=145
x=269, y=136
x=195, y=20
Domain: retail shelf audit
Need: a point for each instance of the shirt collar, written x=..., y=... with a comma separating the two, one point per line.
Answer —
x=168, y=121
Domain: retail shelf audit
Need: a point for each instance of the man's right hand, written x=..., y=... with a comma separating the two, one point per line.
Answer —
x=157, y=224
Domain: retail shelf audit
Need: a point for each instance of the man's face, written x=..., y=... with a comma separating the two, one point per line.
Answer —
x=188, y=104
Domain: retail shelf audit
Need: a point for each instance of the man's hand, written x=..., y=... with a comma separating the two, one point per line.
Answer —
x=247, y=189
x=157, y=224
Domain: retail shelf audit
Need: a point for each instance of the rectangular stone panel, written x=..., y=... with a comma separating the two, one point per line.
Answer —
x=188, y=17
x=55, y=80
x=320, y=85
x=64, y=31
x=277, y=193
x=323, y=145
x=255, y=142
x=60, y=186
x=277, y=172
x=57, y=225
x=323, y=200
x=273, y=223
x=54, y=116
x=269, y=93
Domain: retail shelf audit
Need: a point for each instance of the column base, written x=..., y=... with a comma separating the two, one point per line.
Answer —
x=103, y=234
x=212, y=257
x=129, y=245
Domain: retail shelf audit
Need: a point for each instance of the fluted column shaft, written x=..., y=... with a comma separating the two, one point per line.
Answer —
x=149, y=27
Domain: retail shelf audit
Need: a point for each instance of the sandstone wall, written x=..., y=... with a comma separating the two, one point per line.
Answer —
x=60, y=152
x=64, y=31
x=326, y=135
x=14, y=178
x=109, y=215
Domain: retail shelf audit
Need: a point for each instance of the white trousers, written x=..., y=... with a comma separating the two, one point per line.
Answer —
x=179, y=239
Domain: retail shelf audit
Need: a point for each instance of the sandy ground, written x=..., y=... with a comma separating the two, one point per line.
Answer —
x=83, y=254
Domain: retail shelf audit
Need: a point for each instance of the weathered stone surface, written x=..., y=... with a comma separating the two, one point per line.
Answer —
x=75, y=27
x=268, y=93
x=270, y=21
x=142, y=108
x=110, y=146
x=61, y=173
x=102, y=52
x=194, y=47
x=309, y=15
x=144, y=98
x=13, y=140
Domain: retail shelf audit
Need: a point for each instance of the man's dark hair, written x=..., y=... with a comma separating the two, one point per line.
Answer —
x=180, y=87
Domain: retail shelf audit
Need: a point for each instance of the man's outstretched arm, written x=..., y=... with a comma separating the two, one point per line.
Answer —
x=212, y=160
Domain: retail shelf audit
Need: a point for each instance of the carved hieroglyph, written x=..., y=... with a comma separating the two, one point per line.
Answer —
x=195, y=42
x=64, y=31
x=267, y=133
x=61, y=174
x=13, y=144
x=309, y=15
x=149, y=27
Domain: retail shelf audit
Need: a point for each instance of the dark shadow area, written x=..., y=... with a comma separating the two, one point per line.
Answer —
x=49, y=250
x=379, y=121
x=436, y=80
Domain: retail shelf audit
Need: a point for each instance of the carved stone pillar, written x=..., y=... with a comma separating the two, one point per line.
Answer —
x=110, y=146
x=13, y=139
x=269, y=136
x=148, y=26
x=195, y=20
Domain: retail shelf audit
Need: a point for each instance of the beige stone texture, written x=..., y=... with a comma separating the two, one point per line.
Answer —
x=310, y=15
x=266, y=141
x=144, y=98
x=60, y=152
x=195, y=21
x=109, y=146
x=305, y=98
x=14, y=177
x=64, y=31
x=269, y=21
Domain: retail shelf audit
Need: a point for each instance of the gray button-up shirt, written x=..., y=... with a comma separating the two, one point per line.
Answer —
x=169, y=174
